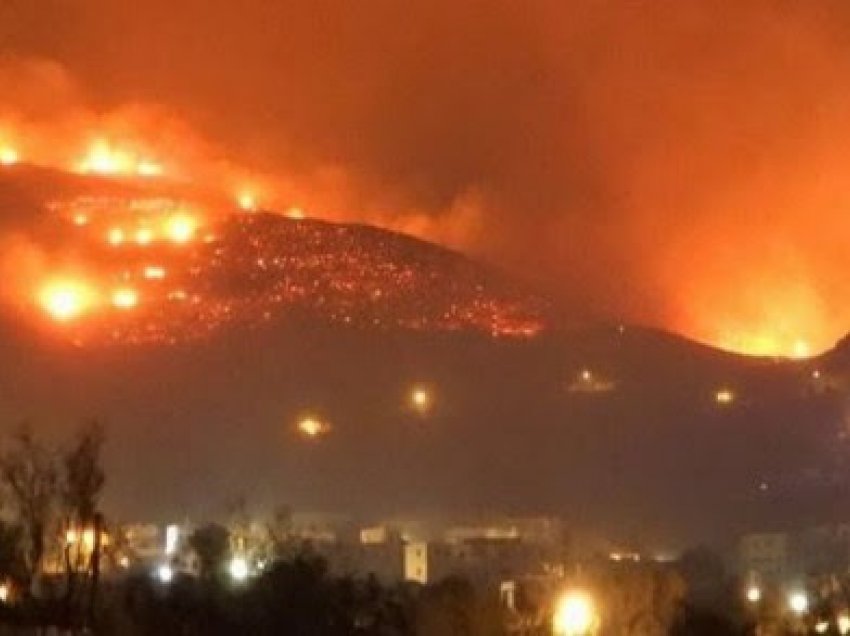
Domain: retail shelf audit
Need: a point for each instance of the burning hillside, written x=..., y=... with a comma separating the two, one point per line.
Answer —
x=123, y=262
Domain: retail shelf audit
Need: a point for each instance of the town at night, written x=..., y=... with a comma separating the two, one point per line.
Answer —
x=437, y=318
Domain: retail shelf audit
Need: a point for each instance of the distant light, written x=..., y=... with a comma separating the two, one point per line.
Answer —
x=724, y=397
x=65, y=300
x=238, y=569
x=295, y=213
x=247, y=201
x=816, y=374
x=8, y=156
x=71, y=537
x=165, y=573
x=4, y=592
x=798, y=602
x=124, y=561
x=421, y=399
x=125, y=298
x=80, y=220
x=821, y=627
x=313, y=427
x=575, y=615
x=753, y=594
x=172, y=534
x=586, y=375
x=843, y=622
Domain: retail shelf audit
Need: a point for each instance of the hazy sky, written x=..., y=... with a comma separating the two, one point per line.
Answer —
x=680, y=163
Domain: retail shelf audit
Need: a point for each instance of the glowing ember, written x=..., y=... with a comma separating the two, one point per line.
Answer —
x=144, y=236
x=8, y=156
x=421, y=399
x=115, y=236
x=181, y=228
x=724, y=397
x=154, y=272
x=125, y=298
x=247, y=201
x=312, y=427
x=66, y=300
x=249, y=269
x=149, y=169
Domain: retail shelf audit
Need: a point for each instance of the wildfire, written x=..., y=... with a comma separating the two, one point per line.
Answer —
x=65, y=300
x=103, y=158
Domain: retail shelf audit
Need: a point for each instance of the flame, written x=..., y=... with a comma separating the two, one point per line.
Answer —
x=181, y=228
x=115, y=236
x=8, y=156
x=143, y=236
x=154, y=272
x=66, y=299
x=247, y=201
x=104, y=158
x=125, y=298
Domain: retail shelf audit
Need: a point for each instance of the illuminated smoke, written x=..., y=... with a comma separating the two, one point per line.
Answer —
x=677, y=164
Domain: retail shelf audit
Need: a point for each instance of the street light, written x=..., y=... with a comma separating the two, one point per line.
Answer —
x=575, y=615
x=753, y=594
x=165, y=573
x=798, y=602
x=238, y=569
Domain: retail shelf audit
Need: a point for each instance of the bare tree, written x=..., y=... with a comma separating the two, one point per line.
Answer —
x=28, y=471
x=82, y=484
x=84, y=476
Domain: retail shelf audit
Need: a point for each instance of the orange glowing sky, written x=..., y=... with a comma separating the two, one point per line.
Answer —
x=680, y=165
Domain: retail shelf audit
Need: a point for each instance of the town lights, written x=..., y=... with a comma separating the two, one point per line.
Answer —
x=165, y=573
x=575, y=615
x=798, y=602
x=753, y=594
x=843, y=623
x=238, y=569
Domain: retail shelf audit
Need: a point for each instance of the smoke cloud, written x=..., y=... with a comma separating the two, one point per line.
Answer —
x=680, y=164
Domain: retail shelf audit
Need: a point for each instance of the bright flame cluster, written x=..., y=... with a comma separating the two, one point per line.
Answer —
x=575, y=615
x=103, y=158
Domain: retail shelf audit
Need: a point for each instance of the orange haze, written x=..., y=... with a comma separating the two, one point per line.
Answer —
x=681, y=164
